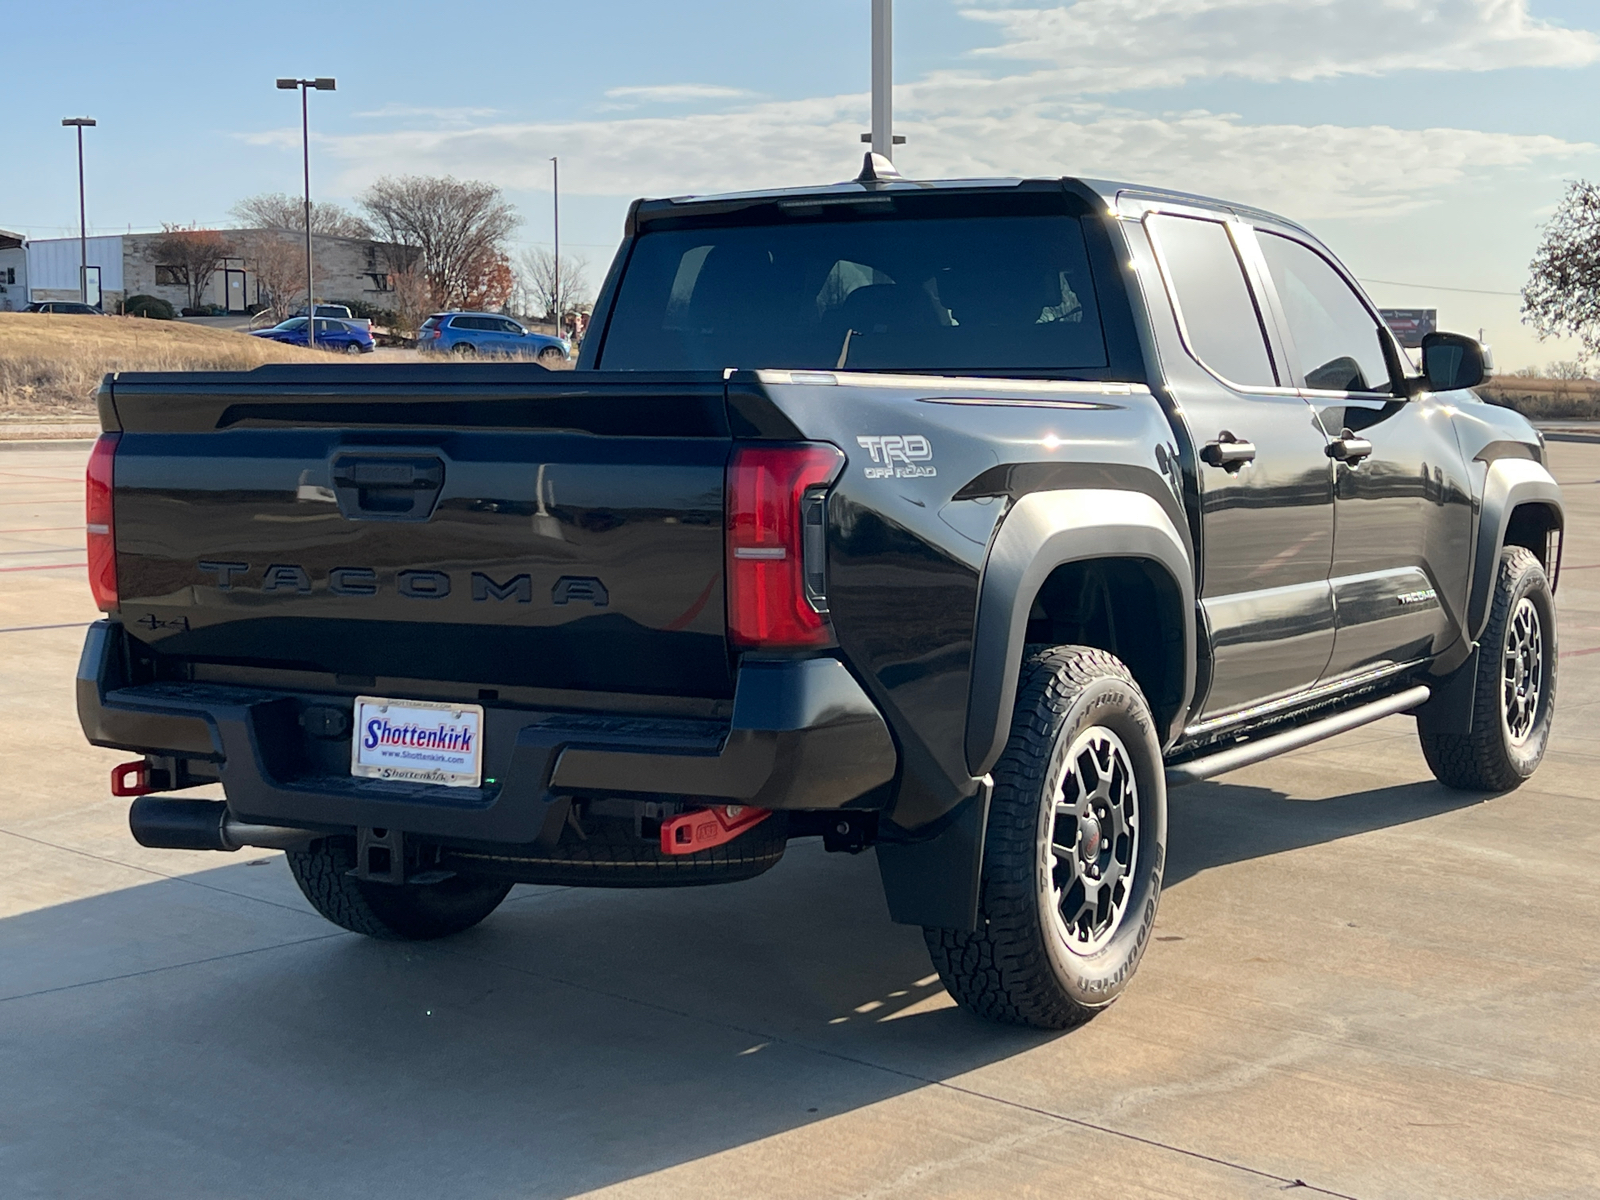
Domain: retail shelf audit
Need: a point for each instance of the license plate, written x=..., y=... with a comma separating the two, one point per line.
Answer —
x=418, y=741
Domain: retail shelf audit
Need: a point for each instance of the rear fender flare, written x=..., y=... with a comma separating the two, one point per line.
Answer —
x=1508, y=484
x=1045, y=530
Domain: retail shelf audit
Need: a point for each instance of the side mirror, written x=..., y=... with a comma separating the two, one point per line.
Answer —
x=1451, y=361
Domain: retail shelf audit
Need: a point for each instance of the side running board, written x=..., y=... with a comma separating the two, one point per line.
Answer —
x=1234, y=757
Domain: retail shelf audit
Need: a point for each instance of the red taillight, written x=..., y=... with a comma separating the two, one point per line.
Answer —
x=101, y=528
x=774, y=584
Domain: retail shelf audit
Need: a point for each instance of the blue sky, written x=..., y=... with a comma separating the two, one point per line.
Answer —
x=1424, y=139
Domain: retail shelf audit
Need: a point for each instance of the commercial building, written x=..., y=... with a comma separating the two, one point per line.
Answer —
x=133, y=264
x=13, y=271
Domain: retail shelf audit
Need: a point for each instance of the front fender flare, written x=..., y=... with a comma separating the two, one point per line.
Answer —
x=1043, y=531
x=1508, y=483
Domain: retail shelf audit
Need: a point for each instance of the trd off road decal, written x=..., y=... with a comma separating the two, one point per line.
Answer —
x=898, y=456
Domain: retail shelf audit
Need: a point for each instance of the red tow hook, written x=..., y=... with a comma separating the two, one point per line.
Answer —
x=704, y=828
x=132, y=779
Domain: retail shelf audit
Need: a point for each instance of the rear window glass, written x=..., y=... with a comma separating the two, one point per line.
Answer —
x=431, y=323
x=944, y=294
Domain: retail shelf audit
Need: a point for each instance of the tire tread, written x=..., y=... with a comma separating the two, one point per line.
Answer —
x=1001, y=971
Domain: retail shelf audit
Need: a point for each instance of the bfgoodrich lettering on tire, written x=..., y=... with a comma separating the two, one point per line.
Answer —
x=1075, y=848
x=1514, y=693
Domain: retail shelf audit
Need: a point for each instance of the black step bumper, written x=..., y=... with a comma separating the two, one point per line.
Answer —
x=803, y=735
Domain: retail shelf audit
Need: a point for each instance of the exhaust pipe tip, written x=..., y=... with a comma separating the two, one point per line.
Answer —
x=163, y=823
x=167, y=823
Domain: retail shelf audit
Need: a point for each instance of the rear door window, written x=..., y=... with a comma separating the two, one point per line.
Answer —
x=1338, y=341
x=1221, y=324
x=924, y=294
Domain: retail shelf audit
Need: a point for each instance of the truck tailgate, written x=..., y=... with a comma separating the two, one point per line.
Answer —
x=501, y=526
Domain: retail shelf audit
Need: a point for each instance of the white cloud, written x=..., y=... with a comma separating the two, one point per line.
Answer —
x=1039, y=121
x=440, y=114
x=1306, y=171
x=1111, y=45
x=676, y=93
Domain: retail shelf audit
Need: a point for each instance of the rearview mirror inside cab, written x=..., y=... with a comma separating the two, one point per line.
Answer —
x=1451, y=361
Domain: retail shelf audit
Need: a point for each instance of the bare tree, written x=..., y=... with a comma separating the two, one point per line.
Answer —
x=539, y=288
x=1563, y=292
x=412, y=299
x=457, y=228
x=275, y=210
x=278, y=260
x=191, y=256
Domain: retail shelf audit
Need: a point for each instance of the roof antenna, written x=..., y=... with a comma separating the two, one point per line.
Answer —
x=875, y=168
x=878, y=165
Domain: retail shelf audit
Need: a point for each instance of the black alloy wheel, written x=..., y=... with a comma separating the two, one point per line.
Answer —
x=1093, y=840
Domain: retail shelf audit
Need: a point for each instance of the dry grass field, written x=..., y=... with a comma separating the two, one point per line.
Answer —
x=51, y=365
x=1546, y=399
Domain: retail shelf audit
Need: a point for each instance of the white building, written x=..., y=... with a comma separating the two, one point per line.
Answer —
x=13, y=271
x=53, y=268
x=347, y=269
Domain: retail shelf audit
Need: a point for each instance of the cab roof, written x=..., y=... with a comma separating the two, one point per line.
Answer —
x=1107, y=192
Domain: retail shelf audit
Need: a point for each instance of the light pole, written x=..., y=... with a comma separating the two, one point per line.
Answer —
x=305, y=85
x=882, y=138
x=83, y=223
x=882, y=78
x=555, y=194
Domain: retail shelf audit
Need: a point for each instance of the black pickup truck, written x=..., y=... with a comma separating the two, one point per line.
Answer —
x=959, y=520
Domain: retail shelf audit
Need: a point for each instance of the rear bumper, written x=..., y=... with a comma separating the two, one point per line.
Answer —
x=803, y=735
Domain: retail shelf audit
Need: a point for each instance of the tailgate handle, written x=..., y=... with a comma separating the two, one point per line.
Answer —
x=387, y=488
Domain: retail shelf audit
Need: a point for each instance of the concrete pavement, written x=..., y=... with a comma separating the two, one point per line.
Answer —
x=1360, y=981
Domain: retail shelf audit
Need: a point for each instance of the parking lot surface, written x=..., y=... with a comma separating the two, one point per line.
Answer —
x=1361, y=983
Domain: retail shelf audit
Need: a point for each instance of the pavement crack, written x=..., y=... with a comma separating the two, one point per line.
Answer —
x=179, y=966
x=974, y=1093
x=192, y=882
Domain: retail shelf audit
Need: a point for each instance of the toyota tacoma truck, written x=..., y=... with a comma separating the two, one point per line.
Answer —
x=956, y=519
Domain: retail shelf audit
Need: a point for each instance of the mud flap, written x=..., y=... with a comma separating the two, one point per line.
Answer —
x=1449, y=710
x=934, y=879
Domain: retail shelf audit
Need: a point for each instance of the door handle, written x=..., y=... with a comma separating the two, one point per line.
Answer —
x=1228, y=452
x=1349, y=449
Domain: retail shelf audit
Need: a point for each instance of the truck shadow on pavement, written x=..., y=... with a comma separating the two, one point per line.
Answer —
x=1213, y=824
x=217, y=1035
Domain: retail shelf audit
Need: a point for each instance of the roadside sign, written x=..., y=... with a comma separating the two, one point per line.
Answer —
x=1410, y=324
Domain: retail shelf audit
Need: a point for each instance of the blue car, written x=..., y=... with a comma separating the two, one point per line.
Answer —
x=466, y=334
x=340, y=337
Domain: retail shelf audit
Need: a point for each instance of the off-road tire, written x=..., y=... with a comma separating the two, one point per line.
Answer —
x=1489, y=758
x=393, y=912
x=1018, y=967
